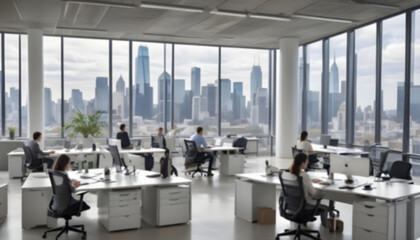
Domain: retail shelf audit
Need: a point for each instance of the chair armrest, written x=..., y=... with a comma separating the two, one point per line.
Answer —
x=81, y=193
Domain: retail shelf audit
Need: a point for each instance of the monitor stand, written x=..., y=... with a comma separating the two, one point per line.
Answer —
x=349, y=179
x=325, y=146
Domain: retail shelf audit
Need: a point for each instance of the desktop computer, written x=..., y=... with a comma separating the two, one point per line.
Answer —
x=349, y=166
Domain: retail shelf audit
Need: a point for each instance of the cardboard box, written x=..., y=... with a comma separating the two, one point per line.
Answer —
x=266, y=216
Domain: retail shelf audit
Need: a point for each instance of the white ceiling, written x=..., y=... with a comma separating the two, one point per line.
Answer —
x=195, y=28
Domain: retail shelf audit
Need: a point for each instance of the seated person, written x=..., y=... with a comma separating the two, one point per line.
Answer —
x=36, y=151
x=305, y=145
x=62, y=164
x=160, y=142
x=201, y=144
x=125, y=139
x=298, y=167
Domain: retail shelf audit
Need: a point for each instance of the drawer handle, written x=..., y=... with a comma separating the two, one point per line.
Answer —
x=367, y=206
x=367, y=230
x=126, y=205
x=175, y=199
x=124, y=195
x=370, y=215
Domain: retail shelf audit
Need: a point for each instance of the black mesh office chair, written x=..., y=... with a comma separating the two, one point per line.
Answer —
x=400, y=169
x=388, y=158
x=293, y=207
x=240, y=143
x=375, y=158
x=154, y=142
x=295, y=151
x=192, y=156
x=32, y=162
x=116, y=159
x=60, y=204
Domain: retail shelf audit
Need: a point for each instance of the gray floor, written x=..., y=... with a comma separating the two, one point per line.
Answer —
x=213, y=217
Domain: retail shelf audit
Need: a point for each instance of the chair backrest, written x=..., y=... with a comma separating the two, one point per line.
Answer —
x=375, y=156
x=116, y=159
x=334, y=142
x=292, y=199
x=29, y=157
x=154, y=142
x=400, y=169
x=388, y=158
x=191, y=150
x=241, y=143
x=61, y=191
x=115, y=142
x=295, y=151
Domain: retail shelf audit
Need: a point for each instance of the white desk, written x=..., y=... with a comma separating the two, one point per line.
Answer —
x=230, y=164
x=142, y=151
x=3, y=201
x=17, y=166
x=37, y=192
x=260, y=185
x=336, y=150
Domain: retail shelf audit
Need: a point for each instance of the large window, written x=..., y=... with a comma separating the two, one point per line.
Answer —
x=244, y=91
x=365, y=81
x=52, y=86
x=24, y=84
x=337, y=88
x=393, y=66
x=314, y=68
x=415, y=88
x=120, y=85
x=86, y=71
x=151, y=72
x=195, y=89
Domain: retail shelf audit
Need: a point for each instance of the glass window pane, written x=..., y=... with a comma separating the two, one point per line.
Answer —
x=337, y=88
x=24, y=79
x=120, y=85
x=300, y=89
x=365, y=81
x=195, y=99
x=415, y=93
x=12, y=81
x=86, y=82
x=52, y=86
x=151, y=69
x=314, y=68
x=393, y=67
x=244, y=97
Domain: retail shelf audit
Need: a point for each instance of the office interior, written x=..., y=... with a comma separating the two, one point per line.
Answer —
x=254, y=74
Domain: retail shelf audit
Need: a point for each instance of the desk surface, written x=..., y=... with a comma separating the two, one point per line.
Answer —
x=224, y=149
x=143, y=150
x=389, y=191
x=337, y=150
x=37, y=181
x=89, y=151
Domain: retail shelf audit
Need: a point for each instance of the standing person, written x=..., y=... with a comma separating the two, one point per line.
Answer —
x=63, y=164
x=38, y=153
x=201, y=145
x=297, y=169
x=125, y=139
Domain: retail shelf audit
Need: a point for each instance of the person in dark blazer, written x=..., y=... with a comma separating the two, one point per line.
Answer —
x=38, y=153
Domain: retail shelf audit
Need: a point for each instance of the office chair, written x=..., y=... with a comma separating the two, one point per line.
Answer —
x=400, y=169
x=334, y=142
x=59, y=206
x=293, y=207
x=312, y=160
x=116, y=159
x=388, y=158
x=192, y=156
x=375, y=158
x=31, y=161
x=240, y=143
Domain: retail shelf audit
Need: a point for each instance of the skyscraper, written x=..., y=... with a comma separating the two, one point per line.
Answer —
x=48, y=117
x=179, y=88
x=164, y=77
x=334, y=77
x=143, y=95
x=77, y=100
x=120, y=85
x=225, y=98
x=256, y=81
x=196, y=108
x=210, y=92
x=400, y=102
x=237, y=100
x=101, y=94
x=187, y=106
x=195, y=80
x=14, y=99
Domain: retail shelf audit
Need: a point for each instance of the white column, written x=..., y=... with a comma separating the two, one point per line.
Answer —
x=36, y=82
x=287, y=98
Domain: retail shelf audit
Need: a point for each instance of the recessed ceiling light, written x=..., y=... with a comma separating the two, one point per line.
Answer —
x=171, y=7
x=228, y=13
x=101, y=3
x=268, y=17
x=328, y=19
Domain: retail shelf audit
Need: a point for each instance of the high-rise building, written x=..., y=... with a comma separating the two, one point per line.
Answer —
x=196, y=80
x=164, y=77
x=237, y=100
x=196, y=108
x=120, y=85
x=415, y=103
x=179, y=90
x=14, y=99
x=143, y=92
x=256, y=81
x=226, y=98
x=101, y=94
x=334, y=77
x=187, y=106
x=261, y=106
x=313, y=109
x=48, y=116
x=210, y=92
x=400, y=102
x=77, y=100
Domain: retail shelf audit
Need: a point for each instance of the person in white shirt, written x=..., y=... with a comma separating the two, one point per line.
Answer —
x=304, y=144
x=297, y=169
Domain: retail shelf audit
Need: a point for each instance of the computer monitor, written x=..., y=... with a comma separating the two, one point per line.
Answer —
x=117, y=161
x=349, y=166
x=67, y=143
x=218, y=142
x=325, y=140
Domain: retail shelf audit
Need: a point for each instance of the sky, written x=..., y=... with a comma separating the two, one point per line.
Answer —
x=85, y=59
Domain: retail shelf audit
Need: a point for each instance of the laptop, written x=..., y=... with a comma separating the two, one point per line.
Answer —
x=218, y=142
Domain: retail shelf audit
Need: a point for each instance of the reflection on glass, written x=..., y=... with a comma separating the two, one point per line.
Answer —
x=314, y=69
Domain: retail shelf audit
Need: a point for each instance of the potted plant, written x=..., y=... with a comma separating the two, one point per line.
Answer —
x=85, y=124
x=12, y=131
